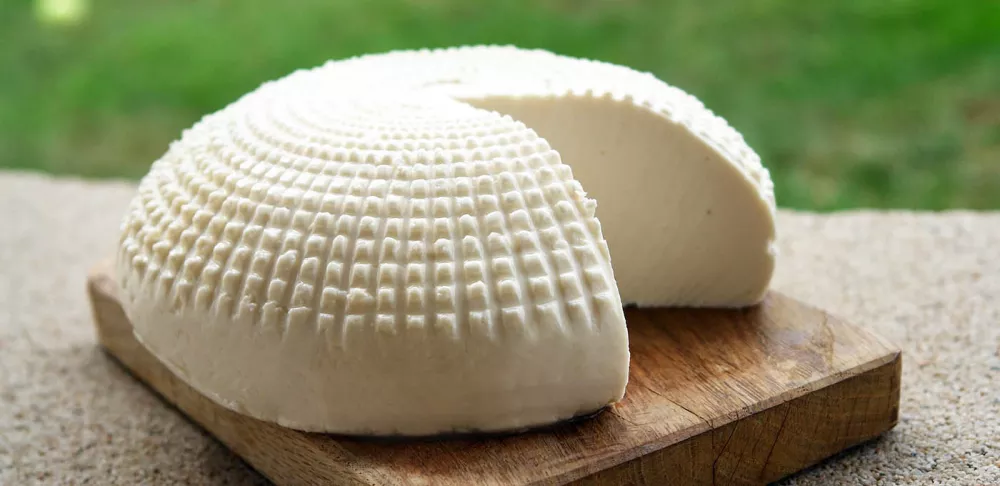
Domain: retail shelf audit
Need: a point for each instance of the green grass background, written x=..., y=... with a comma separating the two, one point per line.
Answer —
x=851, y=103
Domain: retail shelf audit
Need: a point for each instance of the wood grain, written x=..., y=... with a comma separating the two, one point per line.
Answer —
x=714, y=397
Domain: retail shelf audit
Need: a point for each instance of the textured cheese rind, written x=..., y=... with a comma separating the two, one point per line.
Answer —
x=358, y=248
x=374, y=266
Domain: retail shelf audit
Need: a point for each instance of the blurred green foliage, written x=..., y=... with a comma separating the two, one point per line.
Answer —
x=892, y=103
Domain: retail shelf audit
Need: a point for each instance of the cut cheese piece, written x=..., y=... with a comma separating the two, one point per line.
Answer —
x=382, y=246
x=685, y=226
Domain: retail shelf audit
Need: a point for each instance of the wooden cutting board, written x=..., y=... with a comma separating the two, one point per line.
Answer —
x=714, y=397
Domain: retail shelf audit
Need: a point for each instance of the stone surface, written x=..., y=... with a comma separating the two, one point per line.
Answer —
x=70, y=415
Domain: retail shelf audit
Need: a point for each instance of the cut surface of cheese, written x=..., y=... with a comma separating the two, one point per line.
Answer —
x=400, y=243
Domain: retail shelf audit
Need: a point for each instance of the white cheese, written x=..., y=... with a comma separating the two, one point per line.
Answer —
x=400, y=243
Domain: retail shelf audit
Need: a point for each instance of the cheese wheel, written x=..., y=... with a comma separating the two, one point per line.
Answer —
x=408, y=243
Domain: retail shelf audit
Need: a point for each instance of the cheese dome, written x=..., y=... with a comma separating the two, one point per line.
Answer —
x=408, y=243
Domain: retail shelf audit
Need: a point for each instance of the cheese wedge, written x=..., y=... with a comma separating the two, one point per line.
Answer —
x=402, y=244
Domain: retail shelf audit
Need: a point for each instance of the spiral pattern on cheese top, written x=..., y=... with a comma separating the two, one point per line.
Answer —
x=357, y=215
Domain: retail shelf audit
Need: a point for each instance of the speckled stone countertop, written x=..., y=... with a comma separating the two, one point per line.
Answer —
x=70, y=415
